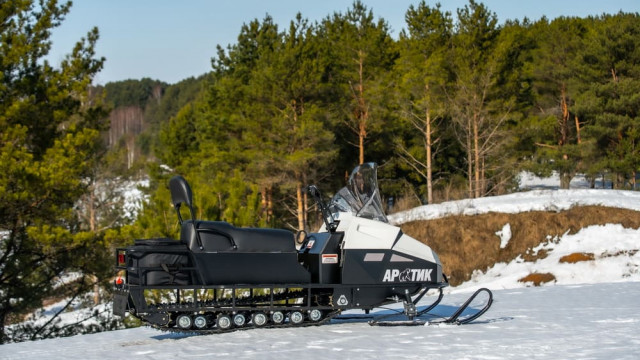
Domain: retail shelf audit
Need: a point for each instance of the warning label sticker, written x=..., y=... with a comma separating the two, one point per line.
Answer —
x=329, y=258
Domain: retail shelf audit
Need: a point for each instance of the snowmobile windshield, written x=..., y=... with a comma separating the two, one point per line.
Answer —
x=361, y=196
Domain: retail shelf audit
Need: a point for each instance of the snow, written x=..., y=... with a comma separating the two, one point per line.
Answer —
x=505, y=235
x=614, y=248
x=528, y=180
x=590, y=310
x=534, y=200
x=589, y=321
x=133, y=196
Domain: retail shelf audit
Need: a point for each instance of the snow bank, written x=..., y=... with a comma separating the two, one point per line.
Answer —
x=535, y=200
x=615, y=252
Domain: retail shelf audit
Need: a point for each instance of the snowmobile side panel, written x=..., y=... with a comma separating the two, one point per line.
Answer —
x=387, y=267
x=409, y=245
x=320, y=254
x=235, y=267
x=370, y=234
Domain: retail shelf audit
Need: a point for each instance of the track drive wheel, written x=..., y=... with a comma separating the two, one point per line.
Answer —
x=315, y=315
x=277, y=317
x=184, y=321
x=296, y=317
x=224, y=322
x=239, y=319
x=200, y=321
x=259, y=319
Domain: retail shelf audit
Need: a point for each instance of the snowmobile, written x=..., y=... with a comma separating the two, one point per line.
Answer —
x=218, y=277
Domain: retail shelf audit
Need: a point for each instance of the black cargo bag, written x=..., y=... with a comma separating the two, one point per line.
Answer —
x=159, y=262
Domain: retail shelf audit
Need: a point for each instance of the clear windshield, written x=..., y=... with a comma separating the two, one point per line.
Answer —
x=361, y=196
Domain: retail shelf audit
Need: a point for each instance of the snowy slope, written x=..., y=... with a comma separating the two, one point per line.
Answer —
x=535, y=200
x=590, y=311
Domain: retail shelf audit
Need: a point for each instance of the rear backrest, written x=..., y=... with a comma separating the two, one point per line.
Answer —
x=181, y=194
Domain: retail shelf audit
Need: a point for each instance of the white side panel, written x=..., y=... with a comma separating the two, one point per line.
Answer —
x=369, y=234
x=413, y=247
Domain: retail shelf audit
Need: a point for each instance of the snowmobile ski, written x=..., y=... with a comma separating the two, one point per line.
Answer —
x=453, y=319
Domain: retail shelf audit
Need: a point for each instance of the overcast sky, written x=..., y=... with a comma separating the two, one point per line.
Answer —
x=171, y=40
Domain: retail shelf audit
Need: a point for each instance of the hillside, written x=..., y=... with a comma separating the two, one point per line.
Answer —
x=467, y=243
x=475, y=234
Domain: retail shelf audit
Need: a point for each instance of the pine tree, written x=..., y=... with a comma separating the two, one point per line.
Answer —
x=611, y=96
x=477, y=111
x=362, y=52
x=558, y=87
x=423, y=73
x=48, y=139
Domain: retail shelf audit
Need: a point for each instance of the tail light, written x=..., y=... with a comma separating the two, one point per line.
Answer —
x=121, y=258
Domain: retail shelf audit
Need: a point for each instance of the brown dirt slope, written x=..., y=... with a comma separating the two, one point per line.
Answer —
x=467, y=243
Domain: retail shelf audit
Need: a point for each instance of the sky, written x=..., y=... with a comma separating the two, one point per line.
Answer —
x=172, y=40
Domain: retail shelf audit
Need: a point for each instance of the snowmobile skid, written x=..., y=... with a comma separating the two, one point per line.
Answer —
x=219, y=278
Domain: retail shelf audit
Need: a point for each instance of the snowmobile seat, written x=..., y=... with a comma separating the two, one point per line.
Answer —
x=220, y=236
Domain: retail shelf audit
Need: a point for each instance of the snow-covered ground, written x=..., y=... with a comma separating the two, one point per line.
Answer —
x=590, y=311
x=589, y=321
x=534, y=200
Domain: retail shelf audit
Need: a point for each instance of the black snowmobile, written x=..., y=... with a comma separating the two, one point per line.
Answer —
x=218, y=277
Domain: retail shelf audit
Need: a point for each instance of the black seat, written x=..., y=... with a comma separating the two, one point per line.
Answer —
x=215, y=236
x=221, y=236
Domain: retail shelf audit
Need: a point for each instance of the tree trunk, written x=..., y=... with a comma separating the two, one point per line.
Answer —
x=565, y=180
x=361, y=135
x=269, y=205
x=300, y=207
x=3, y=318
x=476, y=153
x=92, y=228
x=363, y=113
x=469, y=159
x=578, y=129
x=427, y=135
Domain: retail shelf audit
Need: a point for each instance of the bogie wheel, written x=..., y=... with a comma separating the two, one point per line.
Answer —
x=315, y=315
x=200, y=321
x=224, y=322
x=277, y=317
x=184, y=321
x=259, y=319
x=239, y=319
x=296, y=317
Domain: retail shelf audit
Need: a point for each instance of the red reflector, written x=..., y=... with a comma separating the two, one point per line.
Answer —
x=121, y=258
x=119, y=281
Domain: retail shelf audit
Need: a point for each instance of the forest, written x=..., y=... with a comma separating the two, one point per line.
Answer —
x=455, y=106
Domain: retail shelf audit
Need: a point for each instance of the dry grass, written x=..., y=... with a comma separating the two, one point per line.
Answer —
x=538, y=278
x=577, y=257
x=467, y=243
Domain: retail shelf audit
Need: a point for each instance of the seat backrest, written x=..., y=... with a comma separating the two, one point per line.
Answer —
x=181, y=194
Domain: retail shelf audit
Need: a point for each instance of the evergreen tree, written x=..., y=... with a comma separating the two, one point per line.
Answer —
x=362, y=53
x=558, y=86
x=423, y=71
x=477, y=109
x=48, y=139
x=611, y=96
